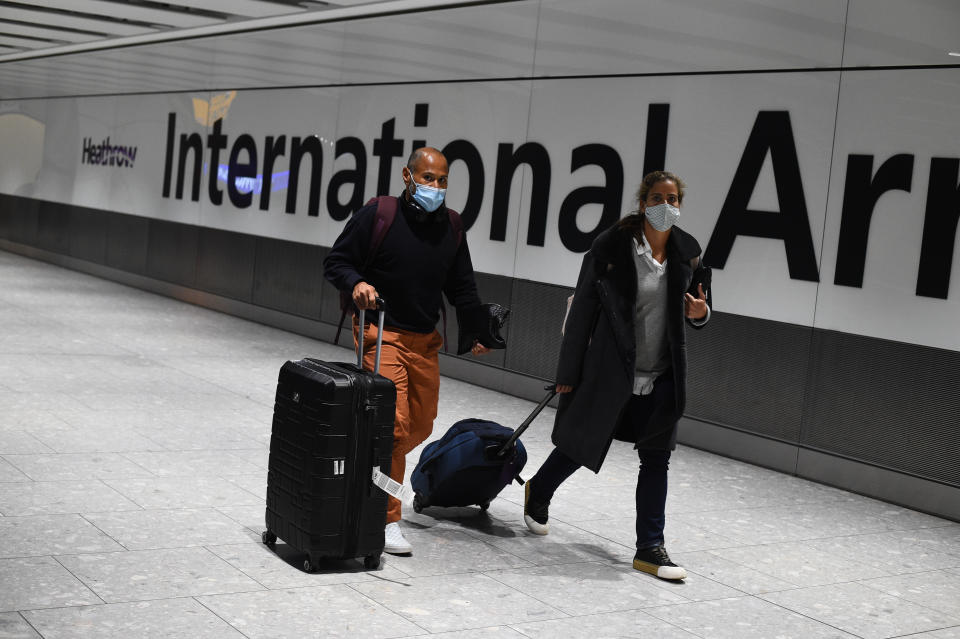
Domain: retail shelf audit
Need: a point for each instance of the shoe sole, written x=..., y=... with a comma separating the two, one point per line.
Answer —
x=671, y=573
x=398, y=551
x=536, y=527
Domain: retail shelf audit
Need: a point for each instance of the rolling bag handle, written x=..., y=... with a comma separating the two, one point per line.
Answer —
x=381, y=308
x=551, y=391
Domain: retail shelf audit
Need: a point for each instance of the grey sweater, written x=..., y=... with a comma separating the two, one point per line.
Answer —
x=650, y=323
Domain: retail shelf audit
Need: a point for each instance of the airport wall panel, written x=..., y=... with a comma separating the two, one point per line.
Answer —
x=329, y=299
x=225, y=263
x=128, y=242
x=536, y=315
x=172, y=252
x=53, y=227
x=886, y=403
x=19, y=219
x=749, y=372
x=87, y=233
x=288, y=276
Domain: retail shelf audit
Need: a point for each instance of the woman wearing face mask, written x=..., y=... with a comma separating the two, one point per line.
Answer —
x=622, y=368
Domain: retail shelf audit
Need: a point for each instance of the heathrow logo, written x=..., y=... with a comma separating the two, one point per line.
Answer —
x=107, y=154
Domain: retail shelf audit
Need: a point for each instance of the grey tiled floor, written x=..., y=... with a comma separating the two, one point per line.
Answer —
x=134, y=432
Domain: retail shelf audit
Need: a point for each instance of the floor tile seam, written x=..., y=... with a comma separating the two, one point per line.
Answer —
x=795, y=585
x=105, y=603
x=524, y=558
x=249, y=492
x=136, y=463
x=642, y=611
x=68, y=478
x=240, y=570
x=951, y=615
x=131, y=551
x=71, y=481
x=5, y=457
x=821, y=621
x=808, y=617
x=78, y=579
x=213, y=593
x=216, y=383
x=214, y=613
x=951, y=552
x=563, y=614
x=29, y=625
x=596, y=534
x=104, y=532
x=377, y=604
x=32, y=436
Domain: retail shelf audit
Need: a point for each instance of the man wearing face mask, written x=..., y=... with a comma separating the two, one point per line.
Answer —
x=422, y=257
x=623, y=365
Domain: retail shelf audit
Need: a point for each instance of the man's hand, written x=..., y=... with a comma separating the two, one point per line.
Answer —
x=564, y=388
x=695, y=308
x=479, y=349
x=365, y=296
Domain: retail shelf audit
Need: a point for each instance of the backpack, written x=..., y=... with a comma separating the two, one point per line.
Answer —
x=383, y=218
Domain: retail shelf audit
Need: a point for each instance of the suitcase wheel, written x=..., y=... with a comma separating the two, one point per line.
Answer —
x=484, y=506
x=308, y=566
x=418, y=504
x=268, y=538
x=372, y=562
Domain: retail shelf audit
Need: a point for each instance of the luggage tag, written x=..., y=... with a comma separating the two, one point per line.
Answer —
x=392, y=488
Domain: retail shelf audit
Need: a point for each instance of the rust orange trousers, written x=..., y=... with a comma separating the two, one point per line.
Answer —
x=409, y=360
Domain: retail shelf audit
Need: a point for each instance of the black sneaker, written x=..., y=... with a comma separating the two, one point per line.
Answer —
x=657, y=562
x=535, y=513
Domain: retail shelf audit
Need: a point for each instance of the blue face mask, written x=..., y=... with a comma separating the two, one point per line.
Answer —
x=428, y=197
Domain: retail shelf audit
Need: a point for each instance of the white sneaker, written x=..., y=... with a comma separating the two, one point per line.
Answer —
x=393, y=541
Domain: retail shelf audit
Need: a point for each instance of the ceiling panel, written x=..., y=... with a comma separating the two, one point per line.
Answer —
x=60, y=48
x=24, y=43
x=171, y=18
x=33, y=31
x=245, y=8
x=85, y=23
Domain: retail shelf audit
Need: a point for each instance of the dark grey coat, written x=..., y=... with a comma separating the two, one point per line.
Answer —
x=597, y=356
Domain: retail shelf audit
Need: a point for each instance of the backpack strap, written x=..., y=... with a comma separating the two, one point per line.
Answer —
x=456, y=223
x=382, y=220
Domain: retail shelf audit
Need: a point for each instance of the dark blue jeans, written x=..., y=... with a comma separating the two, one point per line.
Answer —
x=651, y=480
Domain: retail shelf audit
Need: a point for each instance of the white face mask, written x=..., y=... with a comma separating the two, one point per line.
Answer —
x=662, y=216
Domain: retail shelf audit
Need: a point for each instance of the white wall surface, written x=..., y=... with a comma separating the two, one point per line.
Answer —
x=560, y=74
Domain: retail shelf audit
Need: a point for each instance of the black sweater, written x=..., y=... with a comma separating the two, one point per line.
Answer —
x=416, y=263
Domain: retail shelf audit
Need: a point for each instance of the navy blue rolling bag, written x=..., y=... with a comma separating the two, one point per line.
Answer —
x=471, y=463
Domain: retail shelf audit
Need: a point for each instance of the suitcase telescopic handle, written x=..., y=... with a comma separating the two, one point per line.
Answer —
x=381, y=309
x=551, y=391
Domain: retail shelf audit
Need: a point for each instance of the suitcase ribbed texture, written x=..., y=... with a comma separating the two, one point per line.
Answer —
x=332, y=424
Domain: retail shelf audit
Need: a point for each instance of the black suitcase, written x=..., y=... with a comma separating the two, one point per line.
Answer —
x=332, y=425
